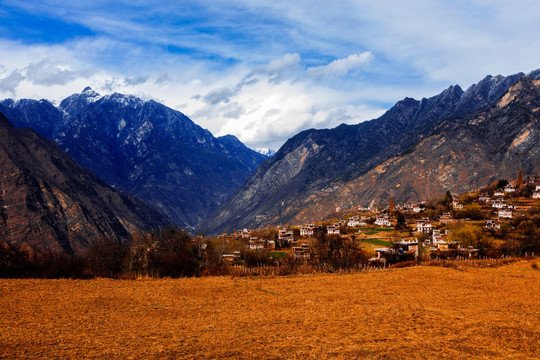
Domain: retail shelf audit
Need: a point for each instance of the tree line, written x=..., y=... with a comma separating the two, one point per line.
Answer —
x=171, y=253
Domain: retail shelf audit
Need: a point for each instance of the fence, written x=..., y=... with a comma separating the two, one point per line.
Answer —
x=280, y=270
x=481, y=262
x=457, y=263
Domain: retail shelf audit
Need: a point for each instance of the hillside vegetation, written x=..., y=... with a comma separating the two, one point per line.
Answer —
x=418, y=312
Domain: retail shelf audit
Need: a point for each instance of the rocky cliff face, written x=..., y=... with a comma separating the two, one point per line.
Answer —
x=50, y=202
x=151, y=151
x=417, y=150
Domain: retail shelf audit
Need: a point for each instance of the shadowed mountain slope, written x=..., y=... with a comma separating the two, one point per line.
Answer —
x=50, y=202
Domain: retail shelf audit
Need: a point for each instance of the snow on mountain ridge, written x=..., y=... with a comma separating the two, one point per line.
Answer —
x=265, y=151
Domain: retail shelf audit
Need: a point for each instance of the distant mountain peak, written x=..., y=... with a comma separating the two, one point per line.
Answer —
x=88, y=92
x=231, y=139
x=265, y=151
x=535, y=74
x=228, y=136
x=125, y=100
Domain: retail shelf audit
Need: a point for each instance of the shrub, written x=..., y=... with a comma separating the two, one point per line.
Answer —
x=403, y=264
x=105, y=258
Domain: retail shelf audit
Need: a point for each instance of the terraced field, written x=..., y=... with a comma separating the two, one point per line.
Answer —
x=417, y=312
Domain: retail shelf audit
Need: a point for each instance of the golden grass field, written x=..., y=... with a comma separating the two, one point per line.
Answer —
x=418, y=312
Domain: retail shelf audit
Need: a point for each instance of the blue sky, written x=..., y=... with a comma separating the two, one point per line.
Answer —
x=263, y=70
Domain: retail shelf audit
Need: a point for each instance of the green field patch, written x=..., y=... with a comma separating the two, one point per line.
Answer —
x=377, y=229
x=377, y=242
x=278, y=254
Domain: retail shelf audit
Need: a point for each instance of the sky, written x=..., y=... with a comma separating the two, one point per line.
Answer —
x=263, y=70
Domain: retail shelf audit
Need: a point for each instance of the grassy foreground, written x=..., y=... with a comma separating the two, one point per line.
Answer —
x=419, y=312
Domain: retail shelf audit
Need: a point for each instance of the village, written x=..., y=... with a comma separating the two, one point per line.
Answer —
x=498, y=220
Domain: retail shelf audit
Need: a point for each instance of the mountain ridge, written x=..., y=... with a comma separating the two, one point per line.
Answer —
x=149, y=150
x=315, y=163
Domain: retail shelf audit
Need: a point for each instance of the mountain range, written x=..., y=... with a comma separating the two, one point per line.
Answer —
x=51, y=203
x=417, y=150
x=145, y=148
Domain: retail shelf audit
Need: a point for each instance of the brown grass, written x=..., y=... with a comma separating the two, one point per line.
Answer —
x=410, y=313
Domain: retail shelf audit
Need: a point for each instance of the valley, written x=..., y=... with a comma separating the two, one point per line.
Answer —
x=269, y=180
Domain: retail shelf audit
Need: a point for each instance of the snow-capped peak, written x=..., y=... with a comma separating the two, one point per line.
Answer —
x=125, y=100
x=265, y=151
x=90, y=94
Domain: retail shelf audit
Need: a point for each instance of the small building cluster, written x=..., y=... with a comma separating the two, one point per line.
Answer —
x=333, y=229
x=423, y=226
x=456, y=205
x=286, y=236
x=432, y=232
x=301, y=252
x=356, y=221
x=493, y=224
x=307, y=230
x=383, y=220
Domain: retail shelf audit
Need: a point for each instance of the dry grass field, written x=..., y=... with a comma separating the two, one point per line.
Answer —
x=408, y=313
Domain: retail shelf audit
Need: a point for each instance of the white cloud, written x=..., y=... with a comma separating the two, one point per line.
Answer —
x=163, y=78
x=136, y=80
x=287, y=63
x=47, y=73
x=341, y=67
x=10, y=83
x=263, y=112
x=217, y=96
